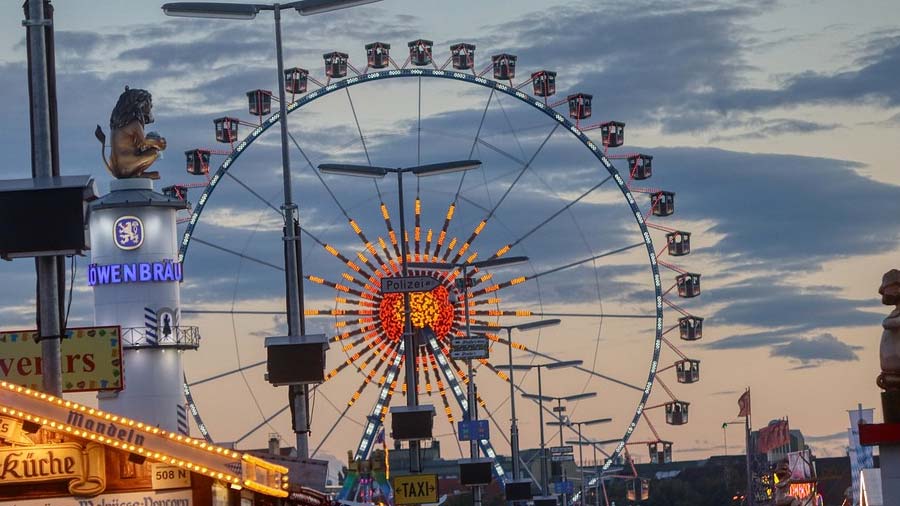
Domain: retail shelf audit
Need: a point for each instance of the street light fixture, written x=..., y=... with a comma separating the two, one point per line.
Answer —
x=559, y=410
x=570, y=423
x=593, y=444
x=540, y=398
x=514, y=427
x=412, y=395
x=298, y=396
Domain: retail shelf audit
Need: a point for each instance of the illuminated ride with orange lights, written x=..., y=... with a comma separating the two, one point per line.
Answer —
x=590, y=250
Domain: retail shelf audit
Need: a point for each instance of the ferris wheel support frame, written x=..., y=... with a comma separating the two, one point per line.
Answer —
x=598, y=151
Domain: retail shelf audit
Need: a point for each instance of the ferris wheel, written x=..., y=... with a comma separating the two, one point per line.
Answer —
x=601, y=255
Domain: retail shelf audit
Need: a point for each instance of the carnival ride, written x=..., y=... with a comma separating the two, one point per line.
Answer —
x=610, y=299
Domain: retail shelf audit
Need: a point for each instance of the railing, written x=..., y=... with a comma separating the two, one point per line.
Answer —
x=180, y=337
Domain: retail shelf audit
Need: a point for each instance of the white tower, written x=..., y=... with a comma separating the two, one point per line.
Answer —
x=136, y=280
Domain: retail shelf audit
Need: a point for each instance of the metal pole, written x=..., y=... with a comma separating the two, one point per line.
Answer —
x=514, y=426
x=409, y=352
x=597, y=473
x=293, y=269
x=472, y=413
x=581, y=461
x=544, y=490
x=751, y=500
x=562, y=465
x=49, y=314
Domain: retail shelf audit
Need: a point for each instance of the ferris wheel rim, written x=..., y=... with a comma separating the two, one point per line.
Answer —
x=494, y=85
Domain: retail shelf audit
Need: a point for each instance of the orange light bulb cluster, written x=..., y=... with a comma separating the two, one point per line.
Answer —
x=428, y=309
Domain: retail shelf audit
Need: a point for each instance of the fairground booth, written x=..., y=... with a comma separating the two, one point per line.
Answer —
x=54, y=452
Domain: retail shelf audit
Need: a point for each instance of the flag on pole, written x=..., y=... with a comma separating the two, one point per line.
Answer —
x=744, y=404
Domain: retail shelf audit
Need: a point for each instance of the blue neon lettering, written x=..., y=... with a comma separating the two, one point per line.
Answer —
x=114, y=274
x=103, y=274
x=145, y=271
x=129, y=273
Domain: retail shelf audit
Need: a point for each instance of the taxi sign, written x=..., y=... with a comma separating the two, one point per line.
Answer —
x=415, y=489
x=408, y=284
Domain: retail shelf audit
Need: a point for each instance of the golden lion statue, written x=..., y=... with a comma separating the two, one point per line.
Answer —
x=131, y=151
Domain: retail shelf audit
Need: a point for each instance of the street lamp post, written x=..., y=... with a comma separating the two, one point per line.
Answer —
x=540, y=399
x=570, y=423
x=513, y=424
x=412, y=393
x=471, y=413
x=293, y=263
x=563, y=420
x=593, y=444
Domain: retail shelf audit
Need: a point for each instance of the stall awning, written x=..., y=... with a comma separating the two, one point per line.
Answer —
x=41, y=410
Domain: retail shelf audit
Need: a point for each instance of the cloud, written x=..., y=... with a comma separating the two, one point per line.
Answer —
x=840, y=435
x=808, y=352
x=821, y=348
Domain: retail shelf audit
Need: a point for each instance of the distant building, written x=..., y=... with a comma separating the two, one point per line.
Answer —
x=310, y=473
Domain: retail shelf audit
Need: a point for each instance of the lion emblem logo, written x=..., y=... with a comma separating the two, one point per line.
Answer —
x=131, y=151
x=128, y=232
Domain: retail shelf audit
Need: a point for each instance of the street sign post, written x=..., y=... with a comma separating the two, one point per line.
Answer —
x=562, y=450
x=472, y=348
x=562, y=458
x=408, y=284
x=473, y=430
x=415, y=489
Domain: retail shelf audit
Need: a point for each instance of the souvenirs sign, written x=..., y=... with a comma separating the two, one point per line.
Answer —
x=83, y=466
x=91, y=359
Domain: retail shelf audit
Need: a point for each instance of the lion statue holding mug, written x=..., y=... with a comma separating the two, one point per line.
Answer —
x=131, y=151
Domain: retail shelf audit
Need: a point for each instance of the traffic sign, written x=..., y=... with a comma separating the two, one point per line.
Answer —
x=562, y=458
x=415, y=489
x=462, y=348
x=473, y=430
x=561, y=450
x=563, y=487
x=408, y=284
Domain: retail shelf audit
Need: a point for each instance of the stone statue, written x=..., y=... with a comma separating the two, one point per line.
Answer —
x=889, y=379
x=131, y=151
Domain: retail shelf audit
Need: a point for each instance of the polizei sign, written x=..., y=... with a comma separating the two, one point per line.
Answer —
x=408, y=284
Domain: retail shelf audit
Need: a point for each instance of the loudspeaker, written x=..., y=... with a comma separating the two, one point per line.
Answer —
x=475, y=472
x=412, y=422
x=45, y=216
x=519, y=490
x=295, y=360
x=134, y=458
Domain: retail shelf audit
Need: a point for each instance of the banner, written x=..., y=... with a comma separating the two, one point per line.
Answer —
x=771, y=437
x=91, y=359
x=145, y=498
x=860, y=456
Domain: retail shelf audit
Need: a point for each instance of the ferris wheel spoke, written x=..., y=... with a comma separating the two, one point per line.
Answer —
x=225, y=374
x=261, y=424
x=319, y=176
x=255, y=194
x=232, y=311
x=594, y=315
x=588, y=371
x=362, y=138
x=462, y=177
x=502, y=251
x=374, y=420
x=238, y=254
x=481, y=225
